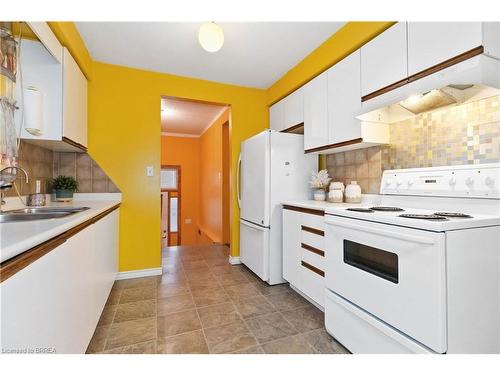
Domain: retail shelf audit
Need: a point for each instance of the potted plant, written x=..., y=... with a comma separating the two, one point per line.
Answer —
x=64, y=187
x=319, y=182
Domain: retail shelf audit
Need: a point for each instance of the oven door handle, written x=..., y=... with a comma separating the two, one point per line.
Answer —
x=400, y=236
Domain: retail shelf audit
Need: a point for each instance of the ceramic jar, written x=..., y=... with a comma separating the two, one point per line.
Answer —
x=353, y=193
x=336, y=193
x=319, y=195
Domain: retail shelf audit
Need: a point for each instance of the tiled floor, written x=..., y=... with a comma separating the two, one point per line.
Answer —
x=201, y=304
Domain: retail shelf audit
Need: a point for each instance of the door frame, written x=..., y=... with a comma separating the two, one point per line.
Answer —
x=179, y=200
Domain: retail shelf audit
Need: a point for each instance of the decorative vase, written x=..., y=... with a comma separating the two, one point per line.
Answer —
x=336, y=193
x=64, y=195
x=319, y=195
x=353, y=193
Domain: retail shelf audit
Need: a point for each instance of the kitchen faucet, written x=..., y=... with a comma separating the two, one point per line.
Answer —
x=4, y=185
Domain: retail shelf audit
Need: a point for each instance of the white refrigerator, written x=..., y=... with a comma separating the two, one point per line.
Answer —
x=272, y=168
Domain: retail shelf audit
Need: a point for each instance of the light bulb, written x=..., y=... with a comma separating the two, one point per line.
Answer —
x=211, y=36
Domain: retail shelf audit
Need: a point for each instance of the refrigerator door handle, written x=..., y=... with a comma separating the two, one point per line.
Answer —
x=238, y=190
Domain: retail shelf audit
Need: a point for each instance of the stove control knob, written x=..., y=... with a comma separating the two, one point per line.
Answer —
x=388, y=182
x=469, y=182
x=410, y=182
x=453, y=181
x=489, y=181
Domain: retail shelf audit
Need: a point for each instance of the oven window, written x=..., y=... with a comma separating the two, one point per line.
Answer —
x=378, y=262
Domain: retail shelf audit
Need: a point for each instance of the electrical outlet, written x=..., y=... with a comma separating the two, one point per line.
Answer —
x=187, y=221
x=150, y=171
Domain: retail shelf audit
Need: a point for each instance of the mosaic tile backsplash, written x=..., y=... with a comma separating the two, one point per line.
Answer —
x=455, y=135
x=43, y=164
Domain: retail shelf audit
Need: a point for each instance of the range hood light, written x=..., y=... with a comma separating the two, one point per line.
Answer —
x=427, y=101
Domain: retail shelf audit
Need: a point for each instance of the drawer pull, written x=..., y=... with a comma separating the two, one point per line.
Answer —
x=312, y=268
x=312, y=230
x=313, y=249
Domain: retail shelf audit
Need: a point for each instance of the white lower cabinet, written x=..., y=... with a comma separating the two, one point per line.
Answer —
x=54, y=304
x=304, y=252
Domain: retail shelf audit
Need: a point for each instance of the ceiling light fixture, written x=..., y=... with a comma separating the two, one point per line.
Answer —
x=211, y=36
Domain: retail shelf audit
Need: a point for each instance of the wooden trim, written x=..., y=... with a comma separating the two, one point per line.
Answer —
x=334, y=145
x=13, y=265
x=447, y=63
x=304, y=210
x=291, y=129
x=426, y=72
x=383, y=90
x=312, y=230
x=312, y=249
x=312, y=268
x=74, y=144
x=179, y=200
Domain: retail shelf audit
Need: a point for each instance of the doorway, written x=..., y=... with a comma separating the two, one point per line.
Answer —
x=170, y=177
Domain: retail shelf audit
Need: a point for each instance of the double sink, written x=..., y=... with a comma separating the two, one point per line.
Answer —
x=39, y=213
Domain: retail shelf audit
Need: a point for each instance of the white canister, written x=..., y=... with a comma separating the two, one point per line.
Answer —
x=353, y=193
x=336, y=193
x=319, y=195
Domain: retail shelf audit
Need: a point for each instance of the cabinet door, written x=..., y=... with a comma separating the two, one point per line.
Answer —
x=294, y=109
x=74, y=101
x=384, y=60
x=344, y=99
x=431, y=43
x=276, y=116
x=316, y=112
x=291, y=247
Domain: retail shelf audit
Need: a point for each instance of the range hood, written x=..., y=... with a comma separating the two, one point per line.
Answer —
x=468, y=81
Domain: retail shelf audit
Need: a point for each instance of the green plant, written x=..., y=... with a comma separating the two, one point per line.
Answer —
x=64, y=183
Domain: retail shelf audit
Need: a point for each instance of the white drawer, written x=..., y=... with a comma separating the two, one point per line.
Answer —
x=313, y=240
x=312, y=257
x=361, y=333
x=313, y=221
x=313, y=285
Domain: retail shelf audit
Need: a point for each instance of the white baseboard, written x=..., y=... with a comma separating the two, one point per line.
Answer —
x=139, y=273
x=234, y=260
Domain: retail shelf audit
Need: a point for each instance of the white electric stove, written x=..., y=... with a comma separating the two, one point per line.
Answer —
x=418, y=272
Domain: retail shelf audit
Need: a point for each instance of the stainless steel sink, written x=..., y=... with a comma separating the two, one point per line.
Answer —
x=39, y=213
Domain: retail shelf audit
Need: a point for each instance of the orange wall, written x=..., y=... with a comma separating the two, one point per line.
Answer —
x=186, y=153
x=211, y=188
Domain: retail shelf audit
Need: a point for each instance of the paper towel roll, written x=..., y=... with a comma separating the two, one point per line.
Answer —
x=33, y=111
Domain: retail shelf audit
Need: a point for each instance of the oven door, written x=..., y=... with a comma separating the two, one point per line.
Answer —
x=396, y=274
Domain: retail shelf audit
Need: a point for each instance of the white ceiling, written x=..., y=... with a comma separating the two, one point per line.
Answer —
x=186, y=117
x=254, y=54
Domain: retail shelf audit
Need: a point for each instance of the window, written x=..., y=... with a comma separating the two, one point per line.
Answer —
x=173, y=214
x=169, y=178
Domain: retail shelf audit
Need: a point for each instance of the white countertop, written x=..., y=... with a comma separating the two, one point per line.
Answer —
x=372, y=199
x=17, y=237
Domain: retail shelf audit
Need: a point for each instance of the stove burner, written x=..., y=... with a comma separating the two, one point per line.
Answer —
x=424, y=217
x=453, y=214
x=388, y=209
x=360, y=209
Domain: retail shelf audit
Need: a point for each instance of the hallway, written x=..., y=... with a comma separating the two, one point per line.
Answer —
x=201, y=304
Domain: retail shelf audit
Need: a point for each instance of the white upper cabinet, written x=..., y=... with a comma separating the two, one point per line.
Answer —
x=431, y=43
x=294, y=109
x=344, y=99
x=384, y=59
x=74, y=101
x=316, y=112
x=288, y=112
x=276, y=116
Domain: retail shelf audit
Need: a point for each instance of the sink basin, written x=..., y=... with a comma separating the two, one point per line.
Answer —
x=39, y=213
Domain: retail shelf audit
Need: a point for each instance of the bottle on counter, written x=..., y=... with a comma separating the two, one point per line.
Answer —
x=353, y=193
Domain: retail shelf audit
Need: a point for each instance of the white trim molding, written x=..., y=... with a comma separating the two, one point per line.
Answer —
x=139, y=273
x=180, y=135
x=234, y=260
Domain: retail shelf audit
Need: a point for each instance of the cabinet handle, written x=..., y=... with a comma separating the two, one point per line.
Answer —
x=312, y=249
x=312, y=268
x=313, y=230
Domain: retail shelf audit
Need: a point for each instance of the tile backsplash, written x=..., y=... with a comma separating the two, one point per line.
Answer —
x=43, y=164
x=455, y=135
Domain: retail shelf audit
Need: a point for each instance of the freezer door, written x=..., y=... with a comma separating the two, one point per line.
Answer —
x=254, y=248
x=255, y=176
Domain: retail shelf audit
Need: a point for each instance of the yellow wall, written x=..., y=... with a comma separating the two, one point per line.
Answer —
x=124, y=137
x=211, y=189
x=185, y=152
